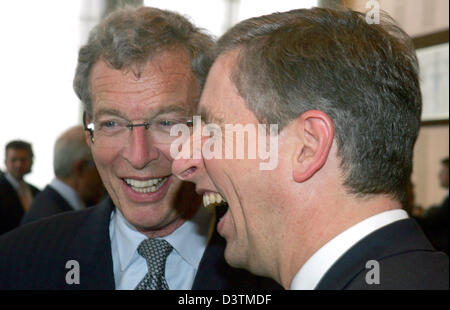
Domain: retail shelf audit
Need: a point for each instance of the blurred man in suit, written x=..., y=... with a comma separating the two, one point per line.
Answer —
x=140, y=74
x=77, y=183
x=346, y=99
x=16, y=195
x=435, y=221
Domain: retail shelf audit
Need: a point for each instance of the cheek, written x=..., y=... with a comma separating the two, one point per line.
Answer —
x=29, y=164
x=103, y=157
x=104, y=161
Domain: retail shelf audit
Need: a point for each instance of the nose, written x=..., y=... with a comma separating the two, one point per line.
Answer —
x=20, y=164
x=187, y=169
x=139, y=151
x=193, y=170
x=190, y=168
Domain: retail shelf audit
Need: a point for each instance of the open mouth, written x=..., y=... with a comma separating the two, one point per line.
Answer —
x=146, y=186
x=211, y=199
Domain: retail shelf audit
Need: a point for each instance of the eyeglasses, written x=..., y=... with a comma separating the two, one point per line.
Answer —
x=115, y=131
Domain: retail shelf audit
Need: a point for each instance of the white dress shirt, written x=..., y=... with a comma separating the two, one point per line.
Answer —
x=318, y=264
x=188, y=241
x=68, y=193
x=12, y=180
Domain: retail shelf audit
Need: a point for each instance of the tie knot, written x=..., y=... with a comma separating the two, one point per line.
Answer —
x=155, y=252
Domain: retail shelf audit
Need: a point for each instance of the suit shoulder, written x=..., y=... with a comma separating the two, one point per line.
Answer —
x=34, y=255
x=34, y=189
x=413, y=270
x=41, y=231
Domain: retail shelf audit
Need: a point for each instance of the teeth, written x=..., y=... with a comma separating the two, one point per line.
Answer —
x=212, y=199
x=147, y=183
x=147, y=186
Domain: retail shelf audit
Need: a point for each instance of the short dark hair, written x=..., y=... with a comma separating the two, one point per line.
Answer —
x=364, y=76
x=129, y=37
x=445, y=161
x=19, y=145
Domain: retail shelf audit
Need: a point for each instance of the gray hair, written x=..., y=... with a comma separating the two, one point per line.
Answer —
x=69, y=148
x=365, y=77
x=129, y=37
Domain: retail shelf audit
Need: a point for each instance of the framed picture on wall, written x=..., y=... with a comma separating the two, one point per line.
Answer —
x=434, y=81
x=433, y=55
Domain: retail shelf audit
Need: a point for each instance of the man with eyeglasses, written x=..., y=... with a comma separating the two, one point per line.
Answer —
x=140, y=74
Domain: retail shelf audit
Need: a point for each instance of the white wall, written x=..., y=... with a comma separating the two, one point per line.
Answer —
x=39, y=43
x=218, y=15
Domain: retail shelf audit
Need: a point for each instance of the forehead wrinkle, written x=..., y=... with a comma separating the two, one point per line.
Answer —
x=153, y=95
x=163, y=110
x=152, y=88
x=155, y=80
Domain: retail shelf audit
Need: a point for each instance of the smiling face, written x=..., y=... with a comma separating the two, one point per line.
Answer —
x=250, y=224
x=137, y=171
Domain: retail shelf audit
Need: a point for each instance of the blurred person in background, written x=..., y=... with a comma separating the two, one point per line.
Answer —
x=76, y=184
x=16, y=195
x=435, y=221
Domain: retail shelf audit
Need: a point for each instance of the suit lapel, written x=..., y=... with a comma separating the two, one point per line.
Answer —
x=34, y=190
x=91, y=247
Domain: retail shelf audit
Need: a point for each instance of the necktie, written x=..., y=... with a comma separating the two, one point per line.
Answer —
x=155, y=252
x=25, y=195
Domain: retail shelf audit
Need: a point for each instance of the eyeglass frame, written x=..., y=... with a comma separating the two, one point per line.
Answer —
x=130, y=125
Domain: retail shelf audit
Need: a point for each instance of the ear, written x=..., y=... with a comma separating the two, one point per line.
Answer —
x=316, y=131
x=89, y=138
x=78, y=167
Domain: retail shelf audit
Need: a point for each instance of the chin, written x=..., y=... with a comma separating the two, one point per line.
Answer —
x=235, y=258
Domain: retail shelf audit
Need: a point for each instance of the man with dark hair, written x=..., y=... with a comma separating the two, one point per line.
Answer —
x=16, y=195
x=140, y=74
x=346, y=98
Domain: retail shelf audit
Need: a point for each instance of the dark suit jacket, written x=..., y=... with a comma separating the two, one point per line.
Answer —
x=47, y=203
x=406, y=260
x=11, y=210
x=34, y=256
x=435, y=224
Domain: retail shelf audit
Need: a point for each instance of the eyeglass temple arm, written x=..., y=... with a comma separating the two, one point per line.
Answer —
x=86, y=128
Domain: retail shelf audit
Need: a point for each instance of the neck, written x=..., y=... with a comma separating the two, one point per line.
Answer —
x=162, y=232
x=71, y=182
x=312, y=227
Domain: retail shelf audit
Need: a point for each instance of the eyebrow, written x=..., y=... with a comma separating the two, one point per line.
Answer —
x=208, y=117
x=163, y=110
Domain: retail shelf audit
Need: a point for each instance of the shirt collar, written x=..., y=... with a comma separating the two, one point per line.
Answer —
x=318, y=264
x=12, y=180
x=189, y=240
x=68, y=193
